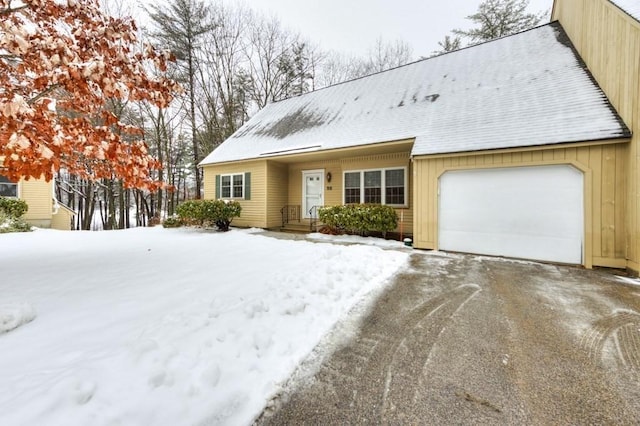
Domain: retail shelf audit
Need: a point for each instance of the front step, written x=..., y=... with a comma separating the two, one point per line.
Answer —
x=298, y=228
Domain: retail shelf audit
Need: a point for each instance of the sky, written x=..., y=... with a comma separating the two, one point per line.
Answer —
x=352, y=26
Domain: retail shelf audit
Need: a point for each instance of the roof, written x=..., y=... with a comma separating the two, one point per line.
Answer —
x=528, y=89
x=632, y=7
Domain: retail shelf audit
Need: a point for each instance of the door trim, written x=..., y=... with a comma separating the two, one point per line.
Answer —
x=305, y=173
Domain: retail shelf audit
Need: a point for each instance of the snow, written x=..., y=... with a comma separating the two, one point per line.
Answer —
x=167, y=326
x=529, y=89
x=627, y=280
x=355, y=239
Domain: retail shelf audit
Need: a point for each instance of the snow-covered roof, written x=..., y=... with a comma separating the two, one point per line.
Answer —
x=632, y=7
x=528, y=89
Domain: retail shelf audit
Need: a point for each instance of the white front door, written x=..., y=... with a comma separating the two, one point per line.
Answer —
x=312, y=191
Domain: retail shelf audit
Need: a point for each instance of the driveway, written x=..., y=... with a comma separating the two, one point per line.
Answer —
x=472, y=340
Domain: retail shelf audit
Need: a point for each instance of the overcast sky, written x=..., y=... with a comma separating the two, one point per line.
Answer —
x=352, y=26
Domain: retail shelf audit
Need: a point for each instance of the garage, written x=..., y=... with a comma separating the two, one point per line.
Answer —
x=534, y=212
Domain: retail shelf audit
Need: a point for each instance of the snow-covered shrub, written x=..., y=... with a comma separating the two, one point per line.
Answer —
x=209, y=212
x=10, y=223
x=359, y=218
x=172, y=222
x=13, y=207
x=13, y=315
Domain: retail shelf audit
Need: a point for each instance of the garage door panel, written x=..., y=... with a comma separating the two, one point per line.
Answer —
x=526, y=212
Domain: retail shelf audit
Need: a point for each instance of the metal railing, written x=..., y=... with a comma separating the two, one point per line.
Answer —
x=313, y=218
x=290, y=213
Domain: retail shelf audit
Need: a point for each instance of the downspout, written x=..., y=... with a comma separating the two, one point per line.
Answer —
x=56, y=204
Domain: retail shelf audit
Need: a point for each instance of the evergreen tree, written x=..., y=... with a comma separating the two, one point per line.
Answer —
x=499, y=18
x=181, y=24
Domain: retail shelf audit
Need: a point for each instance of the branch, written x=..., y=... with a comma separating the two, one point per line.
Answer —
x=43, y=94
x=9, y=10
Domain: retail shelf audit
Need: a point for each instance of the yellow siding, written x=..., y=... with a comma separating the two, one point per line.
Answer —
x=609, y=42
x=62, y=219
x=333, y=194
x=277, y=192
x=38, y=195
x=253, y=210
x=604, y=167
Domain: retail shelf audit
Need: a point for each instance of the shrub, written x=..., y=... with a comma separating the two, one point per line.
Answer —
x=154, y=220
x=209, y=212
x=13, y=207
x=10, y=223
x=172, y=222
x=191, y=212
x=359, y=218
x=224, y=212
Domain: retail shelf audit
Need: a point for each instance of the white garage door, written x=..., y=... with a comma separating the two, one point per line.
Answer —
x=523, y=212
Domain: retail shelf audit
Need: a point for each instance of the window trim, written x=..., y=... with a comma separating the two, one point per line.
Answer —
x=383, y=183
x=17, y=184
x=231, y=176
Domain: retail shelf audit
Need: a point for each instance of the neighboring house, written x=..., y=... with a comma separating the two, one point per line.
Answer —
x=505, y=148
x=44, y=211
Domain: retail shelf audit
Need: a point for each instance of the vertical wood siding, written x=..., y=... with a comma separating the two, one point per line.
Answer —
x=605, y=171
x=253, y=210
x=609, y=42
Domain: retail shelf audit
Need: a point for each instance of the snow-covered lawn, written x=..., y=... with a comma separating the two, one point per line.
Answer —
x=166, y=327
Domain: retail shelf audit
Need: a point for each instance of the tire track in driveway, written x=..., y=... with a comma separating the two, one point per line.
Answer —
x=623, y=329
x=392, y=360
x=404, y=369
x=378, y=375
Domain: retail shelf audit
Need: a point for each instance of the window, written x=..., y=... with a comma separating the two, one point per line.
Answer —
x=373, y=187
x=394, y=186
x=238, y=186
x=352, y=187
x=8, y=188
x=225, y=186
x=234, y=185
x=381, y=186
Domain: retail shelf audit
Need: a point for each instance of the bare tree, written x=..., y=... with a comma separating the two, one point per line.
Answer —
x=221, y=76
x=384, y=55
x=268, y=46
x=336, y=68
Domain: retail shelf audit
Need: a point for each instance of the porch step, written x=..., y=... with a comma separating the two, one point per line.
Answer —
x=300, y=228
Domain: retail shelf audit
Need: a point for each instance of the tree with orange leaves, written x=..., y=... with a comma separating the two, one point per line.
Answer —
x=60, y=61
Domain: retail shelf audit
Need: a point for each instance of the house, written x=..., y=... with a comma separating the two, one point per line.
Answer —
x=607, y=35
x=44, y=211
x=519, y=147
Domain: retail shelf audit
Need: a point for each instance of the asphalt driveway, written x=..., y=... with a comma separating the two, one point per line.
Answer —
x=471, y=340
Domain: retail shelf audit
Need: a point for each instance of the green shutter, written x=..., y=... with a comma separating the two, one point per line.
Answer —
x=247, y=186
x=217, y=187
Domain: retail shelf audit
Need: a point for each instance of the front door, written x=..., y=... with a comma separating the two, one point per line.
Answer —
x=312, y=191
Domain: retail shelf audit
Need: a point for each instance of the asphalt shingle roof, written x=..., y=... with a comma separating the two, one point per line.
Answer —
x=529, y=89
